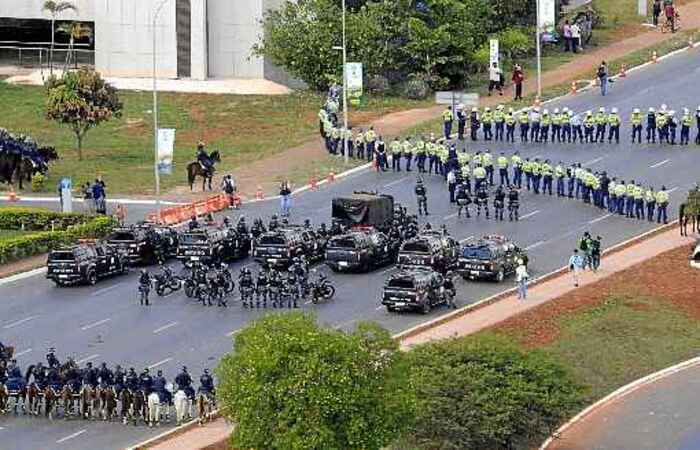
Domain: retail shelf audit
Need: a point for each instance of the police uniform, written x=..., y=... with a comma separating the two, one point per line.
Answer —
x=407, y=149
x=482, y=199
x=487, y=161
x=613, y=126
x=651, y=126
x=463, y=199
x=576, y=127
x=661, y=205
x=686, y=123
x=535, y=124
x=662, y=126
x=461, y=122
x=479, y=177
x=636, y=121
x=566, y=125
x=527, y=169
x=547, y=172
x=536, y=175
x=517, y=164
x=571, y=174
x=486, y=122
x=672, y=126
x=499, y=203
x=381, y=155
x=513, y=204
x=499, y=120
x=556, y=125
x=502, y=162
x=545, y=123
x=639, y=202
x=621, y=193
x=370, y=143
x=360, y=144
x=421, y=197
x=420, y=155
x=447, y=119
x=650, y=197
x=588, y=125
x=395, y=152
x=697, y=124
x=474, y=123
x=559, y=173
x=510, y=126
x=524, y=121
x=612, y=202
x=601, y=121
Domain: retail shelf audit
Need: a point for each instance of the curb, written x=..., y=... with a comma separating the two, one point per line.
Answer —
x=465, y=310
x=618, y=394
x=169, y=434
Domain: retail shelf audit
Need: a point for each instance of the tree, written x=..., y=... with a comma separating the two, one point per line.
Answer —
x=290, y=384
x=55, y=9
x=82, y=100
x=484, y=393
x=74, y=30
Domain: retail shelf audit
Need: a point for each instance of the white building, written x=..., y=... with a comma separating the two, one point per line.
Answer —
x=196, y=39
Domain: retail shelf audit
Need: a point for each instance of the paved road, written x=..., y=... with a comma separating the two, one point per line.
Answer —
x=104, y=322
x=660, y=416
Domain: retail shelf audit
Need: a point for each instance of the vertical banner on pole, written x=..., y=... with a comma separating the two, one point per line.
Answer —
x=166, y=145
x=493, y=52
x=353, y=71
x=66, y=195
x=642, y=7
x=547, y=19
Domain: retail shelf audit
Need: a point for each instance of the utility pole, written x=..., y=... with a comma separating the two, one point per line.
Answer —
x=539, y=52
x=345, y=91
x=156, y=12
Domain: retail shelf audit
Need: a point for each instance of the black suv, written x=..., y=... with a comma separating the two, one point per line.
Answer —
x=418, y=288
x=491, y=257
x=144, y=243
x=206, y=245
x=361, y=250
x=279, y=247
x=429, y=249
x=84, y=263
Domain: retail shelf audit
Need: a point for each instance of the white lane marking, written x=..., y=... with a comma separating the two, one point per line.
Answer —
x=450, y=216
x=159, y=363
x=530, y=214
x=379, y=307
x=466, y=239
x=23, y=352
x=19, y=322
x=659, y=164
x=107, y=289
x=95, y=324
x=165, y=327
x=231, y=333
x=88, y=358
x=535, y=245
x=22, y=276
x=600, y=218
x=71, y=436
x=673, y=189
x=395, y=182
x=387, y=270
x=593, y=161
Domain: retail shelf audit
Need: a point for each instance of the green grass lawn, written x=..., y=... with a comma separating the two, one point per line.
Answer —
x=244, y=128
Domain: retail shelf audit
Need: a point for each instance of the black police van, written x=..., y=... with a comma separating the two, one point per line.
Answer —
x=279, y=247
x=360, y=249
x=84, y=263
x=144, y=243
x=491, y=257
x=417, y=288
x=429, y=249
x=203, y=244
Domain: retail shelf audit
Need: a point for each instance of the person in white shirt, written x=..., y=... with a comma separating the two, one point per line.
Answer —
x=576, y=263
x=575, y=37
x=495, y=78
x=521, y=278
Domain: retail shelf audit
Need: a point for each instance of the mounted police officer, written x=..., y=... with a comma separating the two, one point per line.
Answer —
x=119, y=378
x=183, y=380
x=105, y=375
x=206, y=384
x=146, y=381
x=422, y=197
x=51, y=359
x=159, y=384
x=203, y=157
x=131, y=381
x=90, y=375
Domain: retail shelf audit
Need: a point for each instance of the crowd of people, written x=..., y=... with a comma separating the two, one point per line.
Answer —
x=94, y=197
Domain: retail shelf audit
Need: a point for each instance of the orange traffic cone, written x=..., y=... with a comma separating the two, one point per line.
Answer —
x=654, y=58
x=259, y=193
x=573, y=88
x=331, y=176
x=623, y=72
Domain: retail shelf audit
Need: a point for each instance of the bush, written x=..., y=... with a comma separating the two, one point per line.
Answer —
x=44, y=241
x=485, y=393
x=38, y=182
x=37, y=219
x=378, y=84
x=416, y=88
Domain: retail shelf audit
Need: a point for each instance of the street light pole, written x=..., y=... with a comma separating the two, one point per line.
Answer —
x=539, y=51
x=156, y=12
x=345, y=91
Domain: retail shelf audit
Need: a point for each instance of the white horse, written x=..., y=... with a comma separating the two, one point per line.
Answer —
x=153, y=409
x=183, y=406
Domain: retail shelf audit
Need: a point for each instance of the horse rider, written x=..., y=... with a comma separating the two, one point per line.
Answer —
x=2, y=352
x=159, y=384
x=184, y=382
x=144, y=287
x=53, y=378
x=203, y=157
x=51, y=359
x=206, y=384
x=146, y=381
x=119, y=379
x=131, y=381
x=193, y=224
x=105, y=375
x=40, y=375
x=90, y=375
x=13, y=370
x=15, y=380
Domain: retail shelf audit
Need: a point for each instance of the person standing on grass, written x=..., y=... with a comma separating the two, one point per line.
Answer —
x=521, y=278
x=495, y=76
x=285, y=198
x=656, y=12
x=670, y=12
x=566, y=32
x=575, y=37
x=576, y=264
x=518, y=78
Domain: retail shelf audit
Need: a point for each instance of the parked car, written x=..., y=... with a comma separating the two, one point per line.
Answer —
x=279, y=247
x=491, y=257
x=429, y=249
x=417, y=288
x=84, y=263
x=144, y=243
x=360, y=250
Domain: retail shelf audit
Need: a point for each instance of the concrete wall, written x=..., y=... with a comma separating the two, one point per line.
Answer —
x=31, y=9
x=123, y=38
x=233, y=29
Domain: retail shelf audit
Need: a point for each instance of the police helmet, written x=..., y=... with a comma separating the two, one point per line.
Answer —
x=663, y=106
x=144, y=271
x=698, y=108
x=224, y=266
x=601, y=109
x=487, y=109
x=510, y=110
x=274, y=217
x=475, y=109
x=556, y=110
x=565, y=109
x=419, y=180
x=537, y=108
x=500, y=107
x=671, y=112
x=651, y=109
x=546, y=111
x=686, y=111
x=614, y=110
x=589, y=113
x=636, y=110
x=206, y=371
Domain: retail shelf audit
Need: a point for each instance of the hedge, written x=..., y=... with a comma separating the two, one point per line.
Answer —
x=44, y=241
x=36, y=219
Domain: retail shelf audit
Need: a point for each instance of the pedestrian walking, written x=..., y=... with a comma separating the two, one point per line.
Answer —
x=100, y=196
x=566, y=33
x=656, y=12
x=228, y=186
x=670, y=12
x=521, y=278
x=576, y=266
x=285, y=199
x=518, y=78
x=575, y=37
x=603, y=78
x=495, y=79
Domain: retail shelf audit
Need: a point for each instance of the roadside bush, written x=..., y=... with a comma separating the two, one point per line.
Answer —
x=378, y=84
x=38, y=182
x=44, y=241
x=485, y=393
x=416, y=88
x=37, y=219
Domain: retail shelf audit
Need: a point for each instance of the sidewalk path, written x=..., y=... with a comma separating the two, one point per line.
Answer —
x=198, y=438
x=547, y=291
x=295, y=159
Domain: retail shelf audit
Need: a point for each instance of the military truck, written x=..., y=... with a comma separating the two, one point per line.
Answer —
x=364, y=209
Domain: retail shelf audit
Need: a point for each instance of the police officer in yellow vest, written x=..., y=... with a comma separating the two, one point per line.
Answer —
x=560, y=173
x=479, y=177
x=556, y=125
x=499, y=119
x=431, y=150
x=636, y=121
x=486, y=122
x=545, y=122
x=466, y=176
x=407, y=151
x=524, y=120
x=621, y=194
x=629, y=205
x=360, y=144
x=395, y=153
x=536, y=168
x=370, y=143
x=502, y=162
x=697, y=124
x=588, y=124
x=601, y=120
x=517, y=164
x=447, y=119
x=547, y=175
x=510, y=125
x=639, y=202
x=650, y=198
x=487, y=161
x=661, y=205
x=335, y=140
x=686, y=123
x=614, y=126
x=527, y=169
x=419, y=148
x=662, y=125
x=566, y=125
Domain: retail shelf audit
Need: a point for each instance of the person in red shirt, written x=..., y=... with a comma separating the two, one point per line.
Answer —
x=518, y=78
x=671, y=16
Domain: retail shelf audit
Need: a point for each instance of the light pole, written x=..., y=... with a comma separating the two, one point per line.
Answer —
x=539, y=51
x=157, y=10
x=345, y=88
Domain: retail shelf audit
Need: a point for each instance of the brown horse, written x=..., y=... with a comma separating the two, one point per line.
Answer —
x=50, y=402
x=684, y=218
x=33, y=399
x=4, y=396
x=195, y=169
x=87, y=401
x=205, y=406
x=126, y=398
x=108, y=401
x=139, y=409
x=69, y=399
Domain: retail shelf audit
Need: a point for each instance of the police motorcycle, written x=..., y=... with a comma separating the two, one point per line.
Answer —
x=166, y=282
x=320, y=288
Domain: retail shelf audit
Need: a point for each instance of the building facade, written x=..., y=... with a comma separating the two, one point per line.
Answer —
x=196, y=39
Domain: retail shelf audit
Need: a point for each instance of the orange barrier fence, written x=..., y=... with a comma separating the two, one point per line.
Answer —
x=180, y=214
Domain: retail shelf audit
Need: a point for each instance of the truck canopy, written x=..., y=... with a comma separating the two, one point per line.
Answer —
x=364, y=209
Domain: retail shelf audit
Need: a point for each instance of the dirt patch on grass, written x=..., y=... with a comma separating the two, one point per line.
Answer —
x=667, y=277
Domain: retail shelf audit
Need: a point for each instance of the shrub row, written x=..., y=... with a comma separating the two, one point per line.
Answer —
x=44, y=241
x=36, y=219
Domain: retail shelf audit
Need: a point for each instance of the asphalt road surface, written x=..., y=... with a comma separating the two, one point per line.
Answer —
x=105, y=322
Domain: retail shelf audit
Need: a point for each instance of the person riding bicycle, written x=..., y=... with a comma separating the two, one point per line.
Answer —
x=144, y=287
x=159, y=384
x=183, y=380
x=131, y=381
x=206, y=384
x=51, y=359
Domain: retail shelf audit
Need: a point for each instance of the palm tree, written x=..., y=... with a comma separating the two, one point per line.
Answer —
x=74, y=30
x=55, y=8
